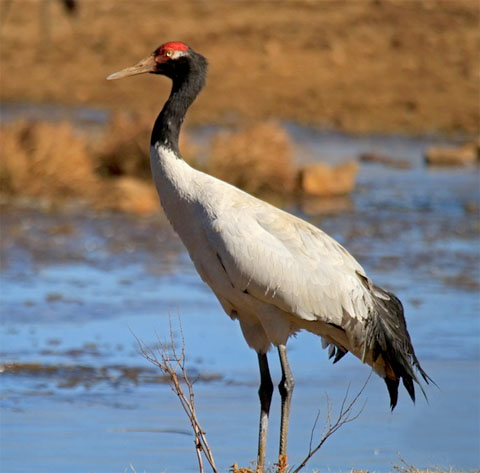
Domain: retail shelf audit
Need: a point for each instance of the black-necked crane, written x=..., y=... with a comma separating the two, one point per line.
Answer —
x=273, y=272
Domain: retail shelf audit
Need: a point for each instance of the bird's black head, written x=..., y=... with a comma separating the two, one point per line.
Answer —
x=173, y=59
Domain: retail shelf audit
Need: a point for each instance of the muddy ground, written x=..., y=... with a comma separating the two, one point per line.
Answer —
x=359, y=66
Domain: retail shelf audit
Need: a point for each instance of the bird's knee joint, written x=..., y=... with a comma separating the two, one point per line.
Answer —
x=286, y=386
x=265, y=392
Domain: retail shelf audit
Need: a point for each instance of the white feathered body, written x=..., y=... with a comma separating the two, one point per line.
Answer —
x=274, y=272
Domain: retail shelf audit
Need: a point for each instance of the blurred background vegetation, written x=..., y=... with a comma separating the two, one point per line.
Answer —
x=380, y=66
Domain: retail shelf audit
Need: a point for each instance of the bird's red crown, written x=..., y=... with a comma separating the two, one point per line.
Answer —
x=173, y=46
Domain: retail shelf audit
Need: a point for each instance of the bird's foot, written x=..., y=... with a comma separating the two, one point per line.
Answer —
x=282, y=464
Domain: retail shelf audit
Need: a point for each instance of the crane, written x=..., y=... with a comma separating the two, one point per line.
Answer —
x=272, y=271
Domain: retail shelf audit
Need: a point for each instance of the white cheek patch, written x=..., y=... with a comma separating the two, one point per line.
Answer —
x=177, y=54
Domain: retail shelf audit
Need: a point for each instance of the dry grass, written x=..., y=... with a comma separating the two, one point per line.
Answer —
x=50, y=163
x=128, y=194
x=258, y=159
x=359, y=65
x=124, y=149
x=45, y=160
x=404, y=468
x=320, y=180
x=464, y=155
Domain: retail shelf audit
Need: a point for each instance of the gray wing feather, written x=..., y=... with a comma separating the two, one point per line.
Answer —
x=287, y=262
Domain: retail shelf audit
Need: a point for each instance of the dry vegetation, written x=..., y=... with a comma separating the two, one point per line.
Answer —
x=258, y=159
x=380, y=65
x=375, y=65
x=45, y=160
x=53, y=163
x=170, y=359
x=124, y=148
x=321, y=180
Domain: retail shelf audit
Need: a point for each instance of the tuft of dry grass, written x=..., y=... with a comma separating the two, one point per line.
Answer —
x=124, y=149
x=280, y=467
x=236, y=469
x=258, y=159
x=321, y=180
x=41, y=159
x=467, y=154
x=50, y=163
x=128, y=194
x=405, y=467
x=396, y=468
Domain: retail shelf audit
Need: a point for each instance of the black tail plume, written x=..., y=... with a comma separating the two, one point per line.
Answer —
x=387, y=336
x=392, y=386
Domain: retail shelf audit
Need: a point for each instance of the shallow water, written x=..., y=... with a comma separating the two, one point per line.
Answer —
x=77, y=288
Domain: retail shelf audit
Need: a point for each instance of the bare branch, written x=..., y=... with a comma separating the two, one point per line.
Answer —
x=406, y=468
x=345, y=415
x=313, y=431
x=172, y=363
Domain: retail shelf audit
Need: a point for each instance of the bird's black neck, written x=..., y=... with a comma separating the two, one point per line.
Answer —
x=187, y=81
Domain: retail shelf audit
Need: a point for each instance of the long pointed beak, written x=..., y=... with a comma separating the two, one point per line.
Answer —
x=147, y=64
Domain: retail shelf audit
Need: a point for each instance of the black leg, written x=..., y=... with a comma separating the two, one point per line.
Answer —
x=286, y=389
x=265, y=394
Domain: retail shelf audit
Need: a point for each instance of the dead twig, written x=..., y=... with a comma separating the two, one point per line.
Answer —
x=345, y=415
x=406, y=467
x=172, y=363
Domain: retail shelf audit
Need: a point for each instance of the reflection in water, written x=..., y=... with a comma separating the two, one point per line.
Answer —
x=77, y=395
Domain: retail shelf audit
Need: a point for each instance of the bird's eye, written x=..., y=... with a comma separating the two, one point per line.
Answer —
x=169, y=53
